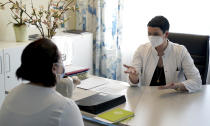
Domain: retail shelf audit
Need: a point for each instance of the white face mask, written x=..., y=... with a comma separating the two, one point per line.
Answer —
x=155, y=40
x=60, y=75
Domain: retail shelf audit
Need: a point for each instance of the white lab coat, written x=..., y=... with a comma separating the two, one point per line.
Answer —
x=177, y=62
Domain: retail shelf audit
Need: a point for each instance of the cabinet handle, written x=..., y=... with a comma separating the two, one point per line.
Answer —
x=8, y=62
x=1, y=64
x=6, y=92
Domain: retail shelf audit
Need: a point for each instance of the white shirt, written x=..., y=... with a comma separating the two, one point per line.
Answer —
x=31, y=105
x=177, y=62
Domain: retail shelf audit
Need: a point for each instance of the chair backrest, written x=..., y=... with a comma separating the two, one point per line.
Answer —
x=198, y=47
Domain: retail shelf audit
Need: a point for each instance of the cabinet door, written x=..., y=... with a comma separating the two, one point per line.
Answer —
x=2, y=97
x=12, y=61
x=1, y=72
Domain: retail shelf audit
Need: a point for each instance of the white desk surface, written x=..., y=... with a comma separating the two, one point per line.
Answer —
x=153, y=107
x=171, y=108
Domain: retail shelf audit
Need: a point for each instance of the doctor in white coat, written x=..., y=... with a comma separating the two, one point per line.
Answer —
x=163, y=63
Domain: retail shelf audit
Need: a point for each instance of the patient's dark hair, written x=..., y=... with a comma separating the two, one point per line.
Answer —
x=37, y=61
x=160, y=22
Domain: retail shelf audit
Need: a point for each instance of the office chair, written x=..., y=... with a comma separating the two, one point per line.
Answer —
x=198, y=47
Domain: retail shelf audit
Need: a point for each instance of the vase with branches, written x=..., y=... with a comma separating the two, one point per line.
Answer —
x=20, y=19
x=50, y=18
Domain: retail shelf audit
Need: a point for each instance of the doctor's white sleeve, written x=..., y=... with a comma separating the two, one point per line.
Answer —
x=137, y=64
x=193, y=82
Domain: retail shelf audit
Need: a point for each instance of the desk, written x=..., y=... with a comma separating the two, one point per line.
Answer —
x=171, y=108
x=153, y=107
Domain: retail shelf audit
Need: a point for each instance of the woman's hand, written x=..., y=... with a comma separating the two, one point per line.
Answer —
x=175, y=86
x=133, y=74
x=76, y=80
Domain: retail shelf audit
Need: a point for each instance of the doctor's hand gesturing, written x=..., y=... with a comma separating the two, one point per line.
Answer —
x=133, y=74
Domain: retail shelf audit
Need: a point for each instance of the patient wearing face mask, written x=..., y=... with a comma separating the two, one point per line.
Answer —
x=163, y=63
x=37, y=103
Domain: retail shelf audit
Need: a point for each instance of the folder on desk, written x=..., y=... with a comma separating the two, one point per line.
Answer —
x=95, y=121
x=72, y=70
x=80, y=72
x=100, y=102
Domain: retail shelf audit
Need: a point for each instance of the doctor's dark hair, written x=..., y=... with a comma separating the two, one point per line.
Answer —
x=160, y=22
x=37, y=61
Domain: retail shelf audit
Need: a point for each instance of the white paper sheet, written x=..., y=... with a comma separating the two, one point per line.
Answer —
x=111, y=88
x=92, y=83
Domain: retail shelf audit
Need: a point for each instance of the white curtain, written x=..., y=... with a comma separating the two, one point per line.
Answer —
x=103, y=19
x=185, y=16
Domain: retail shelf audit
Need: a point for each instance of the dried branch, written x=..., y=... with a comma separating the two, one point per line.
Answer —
x=51, y=17
x=38, y=20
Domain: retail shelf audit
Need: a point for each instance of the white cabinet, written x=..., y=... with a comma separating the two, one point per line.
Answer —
x=82, y=54
x=10, y=59
x=1, y=71
x=76, y=49
x=2, y=97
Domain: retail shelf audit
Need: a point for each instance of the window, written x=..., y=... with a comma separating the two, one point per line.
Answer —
x=185, y=16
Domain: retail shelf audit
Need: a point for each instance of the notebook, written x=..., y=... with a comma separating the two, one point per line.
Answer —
x=116, y=115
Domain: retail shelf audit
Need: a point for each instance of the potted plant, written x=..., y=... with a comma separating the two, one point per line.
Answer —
x=50, y=18
x=20, y=27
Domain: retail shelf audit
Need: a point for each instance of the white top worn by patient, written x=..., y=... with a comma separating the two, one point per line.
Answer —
x=31, y=105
